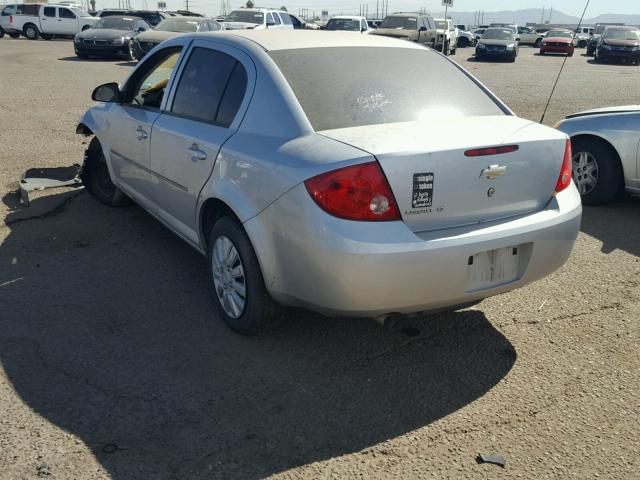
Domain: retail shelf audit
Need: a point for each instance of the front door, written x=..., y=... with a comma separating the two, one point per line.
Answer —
x=130, y=129
x=202, y=114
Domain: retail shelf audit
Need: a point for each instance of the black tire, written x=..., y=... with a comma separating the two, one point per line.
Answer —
x=31, y=31
x=260, y=312
x=46, y=36
x=570, y=54
x=463, y=42
x=610, y=181
x=454, y=50
x=14, y=35
x=1, y=32
x=82, y=56
x=97, y=179
x=538, y=43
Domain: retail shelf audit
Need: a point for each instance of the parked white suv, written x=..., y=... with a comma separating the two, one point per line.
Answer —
x=44, y=21
x=347, y=23
x=447, y=30
x=257, y=19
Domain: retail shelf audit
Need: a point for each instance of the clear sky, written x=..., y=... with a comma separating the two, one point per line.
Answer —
x=570, y=7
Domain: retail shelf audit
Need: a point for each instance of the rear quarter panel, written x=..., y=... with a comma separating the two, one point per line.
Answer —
x=621, y=131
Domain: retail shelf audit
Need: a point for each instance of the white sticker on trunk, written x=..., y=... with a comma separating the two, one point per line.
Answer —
x=422, y=190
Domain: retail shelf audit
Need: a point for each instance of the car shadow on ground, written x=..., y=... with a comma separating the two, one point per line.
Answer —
x=616, y=225
x=90, y=59
x=108, y=333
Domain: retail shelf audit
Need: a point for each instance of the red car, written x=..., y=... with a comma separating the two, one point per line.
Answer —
x=558, y=41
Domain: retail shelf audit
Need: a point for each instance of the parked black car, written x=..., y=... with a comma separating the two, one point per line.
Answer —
x=619, y=43
x=152, y=17
x=111, y=36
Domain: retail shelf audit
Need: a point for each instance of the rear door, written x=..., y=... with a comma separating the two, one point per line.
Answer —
x=48, y=19
x=67, y=22
x=205, y=108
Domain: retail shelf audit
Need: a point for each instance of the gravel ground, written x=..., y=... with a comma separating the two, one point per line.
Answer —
x=112, y=366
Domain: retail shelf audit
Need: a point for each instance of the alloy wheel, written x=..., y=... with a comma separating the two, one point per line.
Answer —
x=229, y=277
x=585, y=172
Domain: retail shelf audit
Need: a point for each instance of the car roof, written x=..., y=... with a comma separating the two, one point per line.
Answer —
x=272, y=40
x=191, y=19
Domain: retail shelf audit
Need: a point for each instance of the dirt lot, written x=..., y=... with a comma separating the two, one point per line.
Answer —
x=112, y=365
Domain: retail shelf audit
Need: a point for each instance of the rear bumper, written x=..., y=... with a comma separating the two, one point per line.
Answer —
x=556, y=49
x=338, y=267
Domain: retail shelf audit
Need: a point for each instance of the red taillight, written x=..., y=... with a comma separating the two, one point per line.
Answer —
x=481, y=152
x=360, y=192
x=564, y=180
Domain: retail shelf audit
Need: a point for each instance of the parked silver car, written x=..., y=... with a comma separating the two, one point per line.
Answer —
x=606, y=158
x=309, y=183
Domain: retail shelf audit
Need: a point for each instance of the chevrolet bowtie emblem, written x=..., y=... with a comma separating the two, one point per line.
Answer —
x=493, y=171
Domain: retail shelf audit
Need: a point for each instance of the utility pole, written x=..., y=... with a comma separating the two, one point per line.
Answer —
x=542, y=17
x=550, y=14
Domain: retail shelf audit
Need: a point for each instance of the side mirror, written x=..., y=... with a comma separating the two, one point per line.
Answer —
x=141, y=29
x=423, y=29
x=363, y=29
x=517, y=39
x=109, y=92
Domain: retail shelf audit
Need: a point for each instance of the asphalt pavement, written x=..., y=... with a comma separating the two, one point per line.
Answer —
x=113, y=365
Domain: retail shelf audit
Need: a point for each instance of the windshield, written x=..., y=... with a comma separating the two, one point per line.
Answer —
x=343, y=24
x=246, y=16
x=498, y=34
x=600, y=29
x=622, y=34
x=405, y=23
x=80, y=12
x=415, y=85
x=116, y=23
x=559, y=34
x=177, y=25
x=441, y=25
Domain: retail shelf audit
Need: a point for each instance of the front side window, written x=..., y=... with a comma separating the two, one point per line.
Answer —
x=333, y=93
x=149, y=88
x=286, y=19
x=66, y=13
x=203, y=83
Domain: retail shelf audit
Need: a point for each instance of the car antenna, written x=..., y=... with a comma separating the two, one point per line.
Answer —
x=553, y=90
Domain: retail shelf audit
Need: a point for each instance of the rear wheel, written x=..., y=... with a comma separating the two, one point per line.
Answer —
x=14, y=35
x=240, y=295
x=1, y=32
x=538, y=43
x=596, y=171
x=132, y=55
x=31, y=31
x=463, y=42
x=97, y=178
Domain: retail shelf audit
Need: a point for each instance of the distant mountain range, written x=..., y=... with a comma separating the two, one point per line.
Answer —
x=535, y=15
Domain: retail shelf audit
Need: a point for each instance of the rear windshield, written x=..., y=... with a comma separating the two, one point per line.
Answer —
x=343, y=24
x=415, y=84
x=177, y=25
x=245, y=16
x=116, y=23
x=403, y=23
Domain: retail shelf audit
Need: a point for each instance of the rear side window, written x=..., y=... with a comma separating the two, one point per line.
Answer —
x=233, y=96
x=414, y=84
x=202, y=86
x=286, y=19
x=49, y=11
x=66, y=13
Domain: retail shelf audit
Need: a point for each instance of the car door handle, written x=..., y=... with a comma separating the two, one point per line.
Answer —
x=141, y=133
x=197, y=153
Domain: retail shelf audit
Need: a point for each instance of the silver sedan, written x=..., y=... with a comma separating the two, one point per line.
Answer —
x=606, y=155
x=309, y=180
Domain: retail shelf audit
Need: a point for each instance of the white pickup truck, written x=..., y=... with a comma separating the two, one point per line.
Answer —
x=44, y=20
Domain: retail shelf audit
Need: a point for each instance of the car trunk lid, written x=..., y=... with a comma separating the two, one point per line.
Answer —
x=438, y=186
